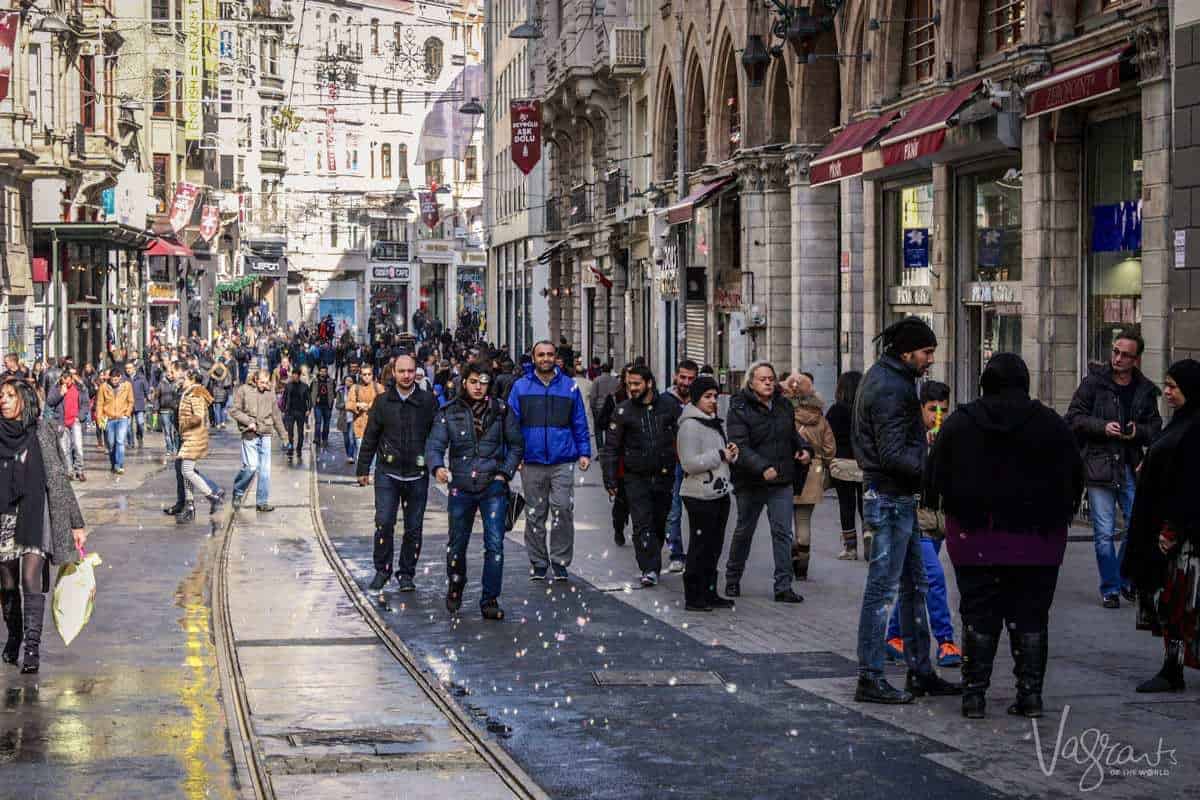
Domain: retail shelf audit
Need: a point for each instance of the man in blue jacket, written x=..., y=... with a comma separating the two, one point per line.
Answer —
x=549, y=408
x=486, y=446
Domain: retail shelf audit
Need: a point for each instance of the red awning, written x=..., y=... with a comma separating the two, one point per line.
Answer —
x=842, y=158
x=40, y=269
x=1076, y=83
x=922, y=130
x=165, y=247
x=682, y=211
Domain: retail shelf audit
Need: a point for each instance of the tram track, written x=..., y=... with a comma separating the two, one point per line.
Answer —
x=247, y=752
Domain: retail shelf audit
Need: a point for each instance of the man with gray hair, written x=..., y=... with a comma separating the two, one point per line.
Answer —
x=771, y=450
x=256, y=412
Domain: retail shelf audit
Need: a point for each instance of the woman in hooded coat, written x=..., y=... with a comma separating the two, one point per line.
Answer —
x=1006, y=472
x=193, y=434
x=1162, y=557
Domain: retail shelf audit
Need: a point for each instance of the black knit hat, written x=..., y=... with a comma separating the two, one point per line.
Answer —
x=702, y=384
x=907, y=335
x=1005, y=371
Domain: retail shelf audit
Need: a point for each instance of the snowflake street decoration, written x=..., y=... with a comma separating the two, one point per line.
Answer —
x=408, y=57
x=916, y=237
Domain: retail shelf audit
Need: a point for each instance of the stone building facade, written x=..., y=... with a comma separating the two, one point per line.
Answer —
x=1002, y=169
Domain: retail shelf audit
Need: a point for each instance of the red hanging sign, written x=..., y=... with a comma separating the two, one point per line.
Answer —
x=9, y=22
x=429, y=208
x=526, y=117
x=183, y=205
x=330, y=148
x=210, y=221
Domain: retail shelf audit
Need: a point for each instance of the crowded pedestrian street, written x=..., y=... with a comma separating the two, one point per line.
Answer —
x=591, y=687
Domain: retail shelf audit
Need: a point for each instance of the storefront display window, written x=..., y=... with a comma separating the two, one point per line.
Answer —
x=1113, y=231
x=907, y=248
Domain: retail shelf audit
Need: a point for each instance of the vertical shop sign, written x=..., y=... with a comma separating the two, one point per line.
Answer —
x=9, y=22
x=193, y=76
x=526, y=118
x=429, y=209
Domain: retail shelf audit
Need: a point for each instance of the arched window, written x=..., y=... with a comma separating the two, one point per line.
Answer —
x=433, y=58
x=919, y=47
x=334, y=33
x=385, y=161
x=374, y=37
x=1001, y=24
x=402, y=161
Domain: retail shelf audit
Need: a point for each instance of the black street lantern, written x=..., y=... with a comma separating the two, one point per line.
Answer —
x=755, y=60
x=802, y=29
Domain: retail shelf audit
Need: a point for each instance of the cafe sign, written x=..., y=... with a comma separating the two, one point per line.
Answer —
x=390, y=273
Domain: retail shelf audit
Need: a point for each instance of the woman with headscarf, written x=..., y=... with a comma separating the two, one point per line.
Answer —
x=1162, y=557
x=1006, y=472
x=33, y=489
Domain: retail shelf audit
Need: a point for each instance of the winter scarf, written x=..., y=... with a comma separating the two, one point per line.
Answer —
x=479, y=410
x=22, y=479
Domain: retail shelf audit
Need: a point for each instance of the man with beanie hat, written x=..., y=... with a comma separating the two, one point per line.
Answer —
x=889, y=444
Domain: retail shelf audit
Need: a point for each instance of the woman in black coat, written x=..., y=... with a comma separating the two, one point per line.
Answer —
x=849, y=493
x=33, y=488
x=1162, y=557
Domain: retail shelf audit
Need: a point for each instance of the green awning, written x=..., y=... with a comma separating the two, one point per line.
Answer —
x=235, y=286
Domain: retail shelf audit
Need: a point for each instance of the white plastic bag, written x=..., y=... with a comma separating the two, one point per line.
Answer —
x=75, y=596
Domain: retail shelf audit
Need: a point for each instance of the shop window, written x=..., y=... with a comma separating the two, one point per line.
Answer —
x=990, y=225
x=1113, y=231
x=1000, y=26
x=907, y=249
x=919, y=42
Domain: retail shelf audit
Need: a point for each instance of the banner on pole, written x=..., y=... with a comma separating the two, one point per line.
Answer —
x=429, y=208
x=183, y=205
x=210, y=221
x=526, y=118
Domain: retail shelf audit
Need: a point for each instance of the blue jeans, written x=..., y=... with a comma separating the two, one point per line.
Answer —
x=896, y=566
x=675, y=518
x=137, y=423
x=170, y=432
x=389, y=495
x=115, y=433
x=936, y=603
x=492, y=504
x=350, y=442
x=1103, y=501
x=256, y=460
x=321, y=415
x=219, y=415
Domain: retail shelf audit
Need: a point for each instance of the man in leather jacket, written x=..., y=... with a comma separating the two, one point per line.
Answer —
x=486, y=446
x=889, y=444
x=641, y=436
x=1114, y=415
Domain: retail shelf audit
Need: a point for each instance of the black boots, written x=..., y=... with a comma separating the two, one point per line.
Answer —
x=1029, y=654
x=931, y=684
x=878, y=690
x=187, y=514
x=800, y=556
x=33, y=611
x=1170, y=677
x=11, y=601
x=215, y=500
x=979, y=654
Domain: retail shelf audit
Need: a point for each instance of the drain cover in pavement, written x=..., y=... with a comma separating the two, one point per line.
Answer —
x=659, y=677
x=404, y=734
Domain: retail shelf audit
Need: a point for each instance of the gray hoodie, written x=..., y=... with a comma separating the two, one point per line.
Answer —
x=700, y=442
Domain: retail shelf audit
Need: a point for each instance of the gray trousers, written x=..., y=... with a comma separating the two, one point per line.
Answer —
x=549, y=495
x=750, y=503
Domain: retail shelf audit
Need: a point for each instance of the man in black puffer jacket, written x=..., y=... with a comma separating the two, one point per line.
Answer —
x=398, y=425
x=641, y=436
x=889, y=444
x=486, y=446
x=770, y=449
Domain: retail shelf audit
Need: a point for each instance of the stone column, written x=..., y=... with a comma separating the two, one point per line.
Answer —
x=766, y=250
x=813, y=279
x=850, y=271
x=941, y=279
x=1050, y=251
x=1158, y=252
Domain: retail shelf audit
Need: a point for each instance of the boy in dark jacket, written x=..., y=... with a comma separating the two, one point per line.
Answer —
x=486, y=447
